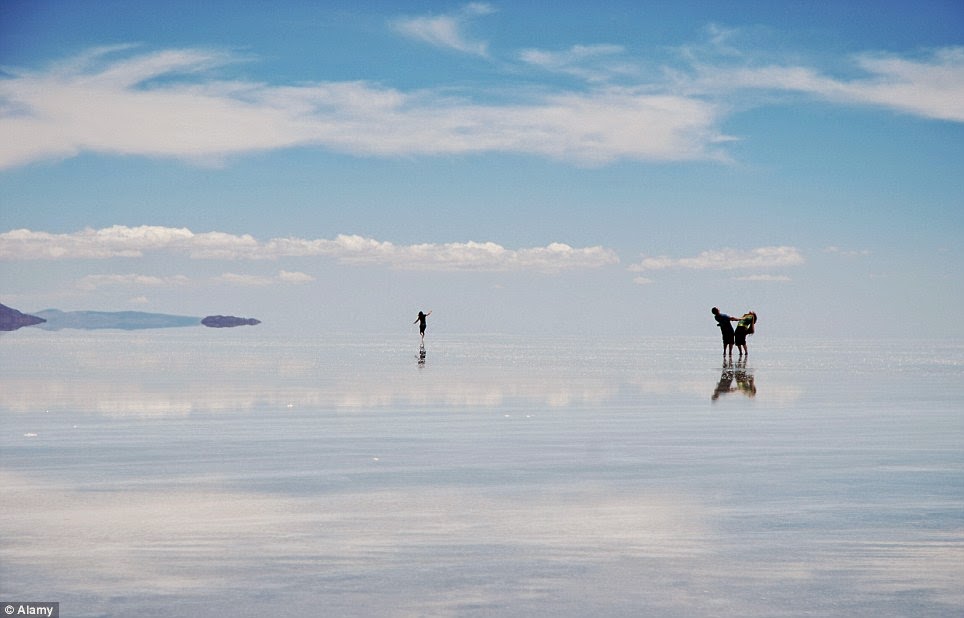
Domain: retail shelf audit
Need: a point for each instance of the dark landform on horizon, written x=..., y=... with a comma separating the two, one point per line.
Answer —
x=228, y=321
x=11, y=319
x=55, y=319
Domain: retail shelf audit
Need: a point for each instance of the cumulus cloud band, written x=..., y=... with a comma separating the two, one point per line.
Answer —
x=132, y=242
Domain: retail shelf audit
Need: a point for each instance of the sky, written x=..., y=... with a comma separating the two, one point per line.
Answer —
x=570, y=168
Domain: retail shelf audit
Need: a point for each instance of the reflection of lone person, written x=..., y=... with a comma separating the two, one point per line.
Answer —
x=743, y=328
x=726, y=329
x=421, y=324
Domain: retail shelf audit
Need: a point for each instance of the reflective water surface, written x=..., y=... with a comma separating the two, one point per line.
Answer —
x=164, y=473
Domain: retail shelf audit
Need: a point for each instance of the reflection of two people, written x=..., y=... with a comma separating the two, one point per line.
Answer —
x=735, y=372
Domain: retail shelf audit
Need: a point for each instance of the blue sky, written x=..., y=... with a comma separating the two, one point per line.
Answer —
x=610, y=168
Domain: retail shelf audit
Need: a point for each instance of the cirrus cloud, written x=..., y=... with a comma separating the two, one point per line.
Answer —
x=167, y=104
x=928, y=86
x=593, y=63
x=446, y=31
x=175, y=103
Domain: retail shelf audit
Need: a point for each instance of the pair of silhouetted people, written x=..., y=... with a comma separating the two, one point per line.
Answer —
x=744, y=327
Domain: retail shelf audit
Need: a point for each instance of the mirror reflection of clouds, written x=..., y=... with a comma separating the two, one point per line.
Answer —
x=147, y=399
x=195, y=541
x=176, y=375
x=568, y=547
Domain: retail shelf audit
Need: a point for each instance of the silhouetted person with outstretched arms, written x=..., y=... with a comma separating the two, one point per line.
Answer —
x=421, y=324
x=726, y=329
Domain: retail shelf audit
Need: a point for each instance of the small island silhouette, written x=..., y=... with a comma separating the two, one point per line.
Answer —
x=228, y=321
x=55, y=319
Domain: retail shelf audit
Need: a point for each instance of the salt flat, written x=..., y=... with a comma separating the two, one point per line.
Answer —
x=167, y=473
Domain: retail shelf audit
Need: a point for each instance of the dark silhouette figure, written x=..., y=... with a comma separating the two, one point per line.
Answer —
x=421, y=324
x=744, y=327
x=726, y=329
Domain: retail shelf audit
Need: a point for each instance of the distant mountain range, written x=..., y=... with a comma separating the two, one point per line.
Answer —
x=54, y=319
x=124, y=320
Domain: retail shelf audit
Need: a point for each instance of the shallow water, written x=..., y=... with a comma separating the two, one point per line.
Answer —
x=191, y=472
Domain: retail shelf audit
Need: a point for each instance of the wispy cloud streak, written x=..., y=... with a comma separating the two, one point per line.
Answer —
x=765, y=278
x=134, y=280
x=931, y=86
x=593, y=63
x=93, y=282
x=447, y=31
x=726, y=259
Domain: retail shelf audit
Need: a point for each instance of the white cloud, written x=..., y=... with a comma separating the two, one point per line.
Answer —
x=121, y=241
x=487, y=256
x=930, y=87
x=171, y=103
x=447, y=31
x=726, y=259
x=643, y=280
x=123, y=107
x=294, y=277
